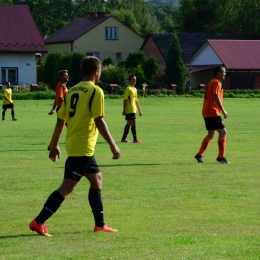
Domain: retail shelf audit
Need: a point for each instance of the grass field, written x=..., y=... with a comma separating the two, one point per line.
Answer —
x=165, y=204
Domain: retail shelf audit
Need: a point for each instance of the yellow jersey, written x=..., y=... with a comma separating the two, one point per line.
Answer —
x=131, y=96
x=82, y=104
x=8, y=94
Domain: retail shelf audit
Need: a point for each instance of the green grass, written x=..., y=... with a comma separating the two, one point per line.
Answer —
x=165, y=204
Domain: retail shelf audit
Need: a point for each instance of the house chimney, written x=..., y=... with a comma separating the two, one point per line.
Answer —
x=92, y=15
x=101, y=14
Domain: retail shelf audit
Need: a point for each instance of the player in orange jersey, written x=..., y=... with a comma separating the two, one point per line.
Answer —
x=211, y=111
x=61, y=91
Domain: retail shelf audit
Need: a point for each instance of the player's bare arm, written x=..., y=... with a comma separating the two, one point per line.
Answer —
x=53, y=108
x=219, y=104
x=139, y=109
x=104, y=131
x=124, y=107
x=54, y=154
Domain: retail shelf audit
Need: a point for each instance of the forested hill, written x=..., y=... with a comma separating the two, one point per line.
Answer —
x=163, y=2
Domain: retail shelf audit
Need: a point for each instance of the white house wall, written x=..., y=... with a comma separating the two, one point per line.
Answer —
x=206, y=56
x=25, y=63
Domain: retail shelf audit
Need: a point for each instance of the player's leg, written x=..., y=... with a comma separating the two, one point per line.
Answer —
x=3, y=113
x=222, y=146
x=74, y=170
x=94, y=177
x=12, y=113
x=126, y=130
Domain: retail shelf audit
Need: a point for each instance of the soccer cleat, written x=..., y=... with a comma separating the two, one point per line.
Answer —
x=106, y=228
x=137, y=141
x=14, y=119
x=48, y=148
x=3, y=119
x=199, y=158
x=124, y=141
x=40, y=229
x=224, y=160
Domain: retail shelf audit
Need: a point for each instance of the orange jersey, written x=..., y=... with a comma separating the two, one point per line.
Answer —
x=61, y=91
x=210, y=108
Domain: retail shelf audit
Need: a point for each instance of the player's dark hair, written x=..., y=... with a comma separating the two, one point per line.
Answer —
x=89, y=65
x=217, y=70
x=61, y=72
x=131, y=76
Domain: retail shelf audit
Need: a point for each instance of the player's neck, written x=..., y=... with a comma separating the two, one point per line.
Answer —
x=93, y=79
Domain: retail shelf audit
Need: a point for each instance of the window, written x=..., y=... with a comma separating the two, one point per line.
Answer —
x=10, y=74
x=111, y=33
x=95, y=54
x=119, y=56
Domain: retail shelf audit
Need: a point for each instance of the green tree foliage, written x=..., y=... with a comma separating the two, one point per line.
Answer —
x=127, y=18
x=5, y=2
x=175, y=72
x=112, y=74
x=150, y=68
x=134, y=59
x=74, y=68
x=108, y=61
x=140, y=77
x=62, y=64
x=49, y=68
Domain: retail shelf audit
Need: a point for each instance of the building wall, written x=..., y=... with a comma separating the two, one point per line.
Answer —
x=257, y=81
x=95, y=41
x=61, y=47
x=202, y=77
x=150, y=49
x=205, y=56
x=26, y=64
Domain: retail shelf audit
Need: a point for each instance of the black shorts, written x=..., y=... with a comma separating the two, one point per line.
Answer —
x=8, y=106
x=76, y=167
x=130, y=116
x=58, y=108
x=214, y=123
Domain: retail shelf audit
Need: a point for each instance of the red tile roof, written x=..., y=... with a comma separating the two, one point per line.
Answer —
x=75, y=29
x=18, y=31
x=238, y=54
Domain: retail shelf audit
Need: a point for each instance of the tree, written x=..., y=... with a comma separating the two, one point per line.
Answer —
x=150, y=68
x=134, y=59
x=108, y=61
x=74, y=67
x=174, y=73
x=49, y=68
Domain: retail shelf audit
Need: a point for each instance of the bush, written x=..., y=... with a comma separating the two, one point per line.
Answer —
x=108, y=61
x=112, y=74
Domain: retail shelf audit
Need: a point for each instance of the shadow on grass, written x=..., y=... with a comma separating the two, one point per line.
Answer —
x=132, y=164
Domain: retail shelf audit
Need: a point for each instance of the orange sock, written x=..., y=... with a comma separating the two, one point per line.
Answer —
x=204, y=146
x=221, y=147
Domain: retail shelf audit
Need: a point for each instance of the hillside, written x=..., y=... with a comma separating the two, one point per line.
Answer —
x=161, y=2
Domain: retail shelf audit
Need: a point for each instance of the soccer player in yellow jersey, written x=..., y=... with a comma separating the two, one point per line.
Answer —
x=83, y=111
x=8, y=102
x=130, y=107
x=212, y=108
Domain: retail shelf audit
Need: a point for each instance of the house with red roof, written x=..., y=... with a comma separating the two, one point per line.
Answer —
x=20, y=40
x=240, y=57
x=97, y=35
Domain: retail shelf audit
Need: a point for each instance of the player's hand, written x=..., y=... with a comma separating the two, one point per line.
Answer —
x=54, y=154
x=140, y=113
x=225, y=114
x=124, y=113
x=51, y=112
x=115, y=151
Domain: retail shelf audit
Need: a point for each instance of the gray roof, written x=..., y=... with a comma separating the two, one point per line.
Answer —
x=189, y=42
x=75, y=29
